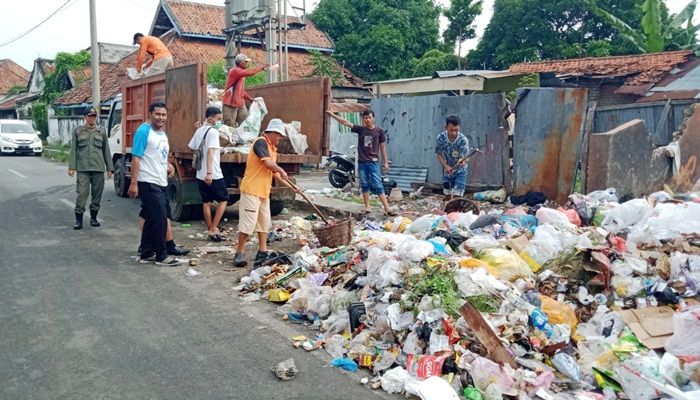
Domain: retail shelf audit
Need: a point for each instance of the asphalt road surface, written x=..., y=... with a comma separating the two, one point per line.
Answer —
x=81, y=319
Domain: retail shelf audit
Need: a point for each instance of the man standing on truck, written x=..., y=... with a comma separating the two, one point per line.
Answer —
x=254, y=213
x=149, y=181
x=161, y=58
x=371, y=139
x=452, y=151
x=235, y=96
x=90, y=157
x=210, y=178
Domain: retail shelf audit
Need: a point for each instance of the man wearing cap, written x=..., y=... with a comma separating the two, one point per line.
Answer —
x=90, y=157
x=254, y=212
x=161, y=58
x=235, y=96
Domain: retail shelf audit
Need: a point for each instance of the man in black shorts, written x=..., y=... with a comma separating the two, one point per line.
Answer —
x=210, y=179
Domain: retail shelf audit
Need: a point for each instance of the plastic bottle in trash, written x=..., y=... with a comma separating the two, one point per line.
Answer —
x=540, y=321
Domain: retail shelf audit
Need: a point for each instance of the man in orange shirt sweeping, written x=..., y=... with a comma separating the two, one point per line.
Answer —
x=235, y=110
x=254, y=214
x=161, y=58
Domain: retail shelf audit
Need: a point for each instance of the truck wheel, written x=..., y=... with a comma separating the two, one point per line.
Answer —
x=276, y=207
x=179, y=211
x=121, y=182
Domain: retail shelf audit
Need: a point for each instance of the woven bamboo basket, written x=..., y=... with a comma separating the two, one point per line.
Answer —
x=336, y=235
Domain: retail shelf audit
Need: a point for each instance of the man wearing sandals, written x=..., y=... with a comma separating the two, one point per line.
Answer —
x=210, y=179
x=371, y=139
x=254, y=213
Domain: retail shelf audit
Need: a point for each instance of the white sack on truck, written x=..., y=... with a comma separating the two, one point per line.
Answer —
x=299, y=142
x=250, y=128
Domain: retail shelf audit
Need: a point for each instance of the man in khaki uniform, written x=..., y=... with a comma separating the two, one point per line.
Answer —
x=90, y=157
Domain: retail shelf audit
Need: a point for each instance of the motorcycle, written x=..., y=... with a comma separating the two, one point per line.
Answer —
x=344, y=171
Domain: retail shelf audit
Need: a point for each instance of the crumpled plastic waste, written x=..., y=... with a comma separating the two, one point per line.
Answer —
x=556, y=287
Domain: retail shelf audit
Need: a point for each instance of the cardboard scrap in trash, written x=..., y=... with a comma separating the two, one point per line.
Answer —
x=652, y=325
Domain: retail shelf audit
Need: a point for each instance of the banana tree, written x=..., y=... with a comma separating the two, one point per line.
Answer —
x=656, y=36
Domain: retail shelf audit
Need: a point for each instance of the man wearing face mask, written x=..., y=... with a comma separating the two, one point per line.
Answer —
x=212, y=186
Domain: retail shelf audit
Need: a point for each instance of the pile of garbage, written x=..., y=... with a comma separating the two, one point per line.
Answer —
x=593, y=300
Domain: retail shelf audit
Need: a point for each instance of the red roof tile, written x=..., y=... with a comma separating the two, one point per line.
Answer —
x=209, y=20
x=187, y=51
x=12, y=74
x=640, y=69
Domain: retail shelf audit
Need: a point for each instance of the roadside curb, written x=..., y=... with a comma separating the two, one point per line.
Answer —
x=302, y=205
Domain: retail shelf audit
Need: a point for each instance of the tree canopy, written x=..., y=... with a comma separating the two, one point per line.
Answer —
x=529, y=30
x=378, y=39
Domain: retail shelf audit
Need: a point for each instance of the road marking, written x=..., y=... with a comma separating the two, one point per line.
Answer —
x=68, y=203
x=17, y=173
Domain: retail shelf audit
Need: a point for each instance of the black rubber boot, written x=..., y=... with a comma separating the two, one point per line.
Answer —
x=93, y=219
x=78, y=221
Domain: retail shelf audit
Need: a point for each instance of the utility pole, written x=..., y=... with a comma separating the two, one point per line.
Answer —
x=95, y=58
x=230, y=51
x=271, y=38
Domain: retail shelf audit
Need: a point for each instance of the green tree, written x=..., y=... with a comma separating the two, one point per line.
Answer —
x=552, y=29
x=460, y=16
x=325, y=66
x=40, y=117
x=56, y=82
x=376, y=39
x=433, y=60
x=216, y=76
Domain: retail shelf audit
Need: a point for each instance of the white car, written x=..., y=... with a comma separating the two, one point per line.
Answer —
x=18, y=137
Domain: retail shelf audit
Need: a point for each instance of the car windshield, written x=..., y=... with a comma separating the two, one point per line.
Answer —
x=16, y=128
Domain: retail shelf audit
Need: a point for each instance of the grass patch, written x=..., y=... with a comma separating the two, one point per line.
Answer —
x=57, y=152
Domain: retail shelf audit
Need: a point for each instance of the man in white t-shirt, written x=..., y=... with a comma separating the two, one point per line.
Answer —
x=149, y=181
x=210, y=179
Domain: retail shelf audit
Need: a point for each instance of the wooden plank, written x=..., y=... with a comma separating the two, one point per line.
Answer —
x=485, y=335
x=664, y=117
x=583, y=153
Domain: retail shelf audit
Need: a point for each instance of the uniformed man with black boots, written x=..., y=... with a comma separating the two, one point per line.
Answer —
x=90, y=157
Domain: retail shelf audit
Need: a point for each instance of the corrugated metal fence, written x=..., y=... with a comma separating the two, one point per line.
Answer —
x=413, y=123
x=609, y=118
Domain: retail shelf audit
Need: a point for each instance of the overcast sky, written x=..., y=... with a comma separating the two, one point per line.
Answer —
x=117, y=21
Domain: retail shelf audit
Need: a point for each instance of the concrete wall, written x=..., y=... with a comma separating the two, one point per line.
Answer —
x=61, y=128
x=622, y=159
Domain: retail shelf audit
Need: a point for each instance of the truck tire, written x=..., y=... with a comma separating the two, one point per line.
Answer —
x=121, y=182
x=179, y=211
x=276, y=207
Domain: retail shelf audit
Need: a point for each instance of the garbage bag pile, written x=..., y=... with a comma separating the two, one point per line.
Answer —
x=239, y=139
x=593, y=300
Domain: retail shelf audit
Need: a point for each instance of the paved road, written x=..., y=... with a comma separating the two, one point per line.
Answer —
x=80, y=319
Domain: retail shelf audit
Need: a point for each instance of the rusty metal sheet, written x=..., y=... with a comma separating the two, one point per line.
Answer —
x=305, y=101
x=186, y=97
x=546, y=141
x=136, y=97
x=688, y=178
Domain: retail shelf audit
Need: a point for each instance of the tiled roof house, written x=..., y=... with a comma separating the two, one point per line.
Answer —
x=623, y=79
x=193, y=34
x=11, y=74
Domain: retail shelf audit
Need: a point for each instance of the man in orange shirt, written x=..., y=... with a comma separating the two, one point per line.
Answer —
x=235, y=96
x=254, y=212
x=161, y=58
